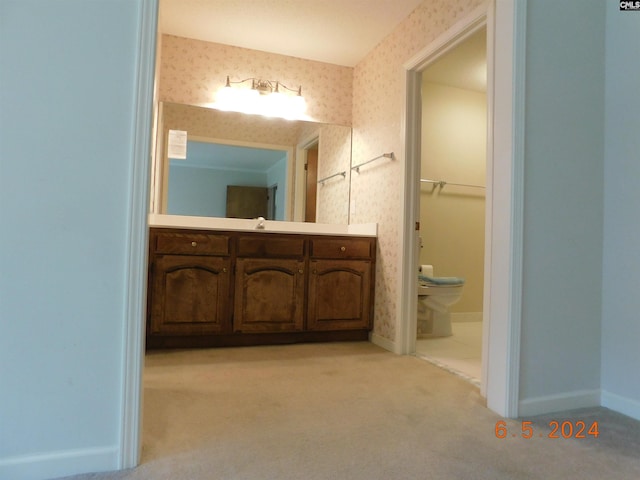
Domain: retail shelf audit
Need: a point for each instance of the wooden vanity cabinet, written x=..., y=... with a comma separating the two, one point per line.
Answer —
x=213, y=288
x=189, y=283
x=269, y=284
x=341, y=284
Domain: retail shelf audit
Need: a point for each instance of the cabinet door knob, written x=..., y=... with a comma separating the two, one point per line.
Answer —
x=343, y=249
x=224, y=270
x=194, y=244
x=300, y=271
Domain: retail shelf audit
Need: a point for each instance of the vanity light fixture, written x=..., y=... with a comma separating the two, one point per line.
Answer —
x=264, y=97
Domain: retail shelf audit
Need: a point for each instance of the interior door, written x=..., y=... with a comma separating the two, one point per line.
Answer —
x=247, y=202
x=312, y=184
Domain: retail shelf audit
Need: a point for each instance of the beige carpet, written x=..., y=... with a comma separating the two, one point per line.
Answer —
x=348, y=411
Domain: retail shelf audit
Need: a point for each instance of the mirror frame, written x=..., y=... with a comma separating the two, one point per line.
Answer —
x=309, y=133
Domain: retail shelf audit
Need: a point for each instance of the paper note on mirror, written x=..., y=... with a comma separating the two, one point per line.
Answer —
x=177, y=144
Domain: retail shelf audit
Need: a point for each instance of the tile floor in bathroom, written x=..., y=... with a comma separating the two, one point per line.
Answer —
x=460, y=353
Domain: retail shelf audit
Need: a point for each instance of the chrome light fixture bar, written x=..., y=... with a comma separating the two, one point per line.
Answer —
x=270, y=98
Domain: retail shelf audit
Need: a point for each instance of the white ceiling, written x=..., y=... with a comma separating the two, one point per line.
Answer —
x=340, y=32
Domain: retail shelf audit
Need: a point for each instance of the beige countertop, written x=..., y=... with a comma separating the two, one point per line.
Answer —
x=270, y=226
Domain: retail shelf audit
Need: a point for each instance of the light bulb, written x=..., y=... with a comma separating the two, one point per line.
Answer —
x=273, y=104
x=225, y=98
x=299, y=105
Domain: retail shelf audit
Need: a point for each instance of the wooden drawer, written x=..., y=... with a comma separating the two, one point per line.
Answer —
x=270, y=245
x=191, y=243
x=342, y=248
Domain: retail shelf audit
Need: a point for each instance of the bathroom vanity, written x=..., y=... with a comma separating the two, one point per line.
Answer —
x=221, y=282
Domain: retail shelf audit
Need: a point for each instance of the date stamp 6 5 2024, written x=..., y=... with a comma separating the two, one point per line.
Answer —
x=559, y=429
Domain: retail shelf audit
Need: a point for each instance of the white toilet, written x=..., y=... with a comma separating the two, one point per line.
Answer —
x=435, y=296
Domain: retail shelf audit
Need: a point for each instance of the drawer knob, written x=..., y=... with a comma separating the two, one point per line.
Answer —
x=300, y=271
x=194, y=244
x=343, y=249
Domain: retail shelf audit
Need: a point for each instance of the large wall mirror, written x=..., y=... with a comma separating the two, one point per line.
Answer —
x=233, y=160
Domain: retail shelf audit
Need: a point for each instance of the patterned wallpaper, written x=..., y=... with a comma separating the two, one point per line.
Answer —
x=334, y=155
x=192, y=71
x=377, y=118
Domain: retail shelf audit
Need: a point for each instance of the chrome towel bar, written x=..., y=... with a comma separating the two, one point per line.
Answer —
x=384, y=155
x=322, y=180
x=442, y=183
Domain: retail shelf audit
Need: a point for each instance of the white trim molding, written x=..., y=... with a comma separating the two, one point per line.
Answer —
x=59, y=463
x=136, y=284
x=383, y=342
x=501, y=352
x=558, y=403
x=626, y=406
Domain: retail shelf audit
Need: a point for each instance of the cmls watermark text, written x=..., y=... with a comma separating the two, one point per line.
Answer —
x=630, y=5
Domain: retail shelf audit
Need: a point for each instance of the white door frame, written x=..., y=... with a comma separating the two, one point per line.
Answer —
x=136, y=281
x=505, y=21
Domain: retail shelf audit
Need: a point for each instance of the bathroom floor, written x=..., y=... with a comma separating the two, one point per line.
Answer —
x=461, y=353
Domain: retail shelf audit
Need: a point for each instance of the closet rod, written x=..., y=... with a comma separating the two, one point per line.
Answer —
x=344, y=175
x=384, y=155
x=442, y=183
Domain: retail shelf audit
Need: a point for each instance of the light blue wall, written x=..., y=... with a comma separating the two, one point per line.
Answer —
x=67, y=87
x=203, y=191
x=563, y=209
x=277, y=175
x=621, y=271
x=67, y=109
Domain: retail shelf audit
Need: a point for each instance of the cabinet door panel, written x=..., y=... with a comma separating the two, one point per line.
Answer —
x=190, y=295
x=269, y=295
x=339, y=295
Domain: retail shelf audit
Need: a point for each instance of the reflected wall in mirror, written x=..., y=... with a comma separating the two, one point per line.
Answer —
x=235, y=149
x=217, y=180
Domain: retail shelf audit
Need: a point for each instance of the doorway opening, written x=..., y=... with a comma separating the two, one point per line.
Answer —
x=311, y=181
x=479, y=22
x=272, y=209
x=505, y=23
x=453, y=157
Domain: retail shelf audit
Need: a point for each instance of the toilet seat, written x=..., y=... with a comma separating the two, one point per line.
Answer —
x=425, y=289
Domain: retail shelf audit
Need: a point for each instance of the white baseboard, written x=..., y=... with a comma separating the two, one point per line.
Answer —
x=466, y=316
x=557, y=403
x=59, y=464
x=620, y=404
x=382, y=342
